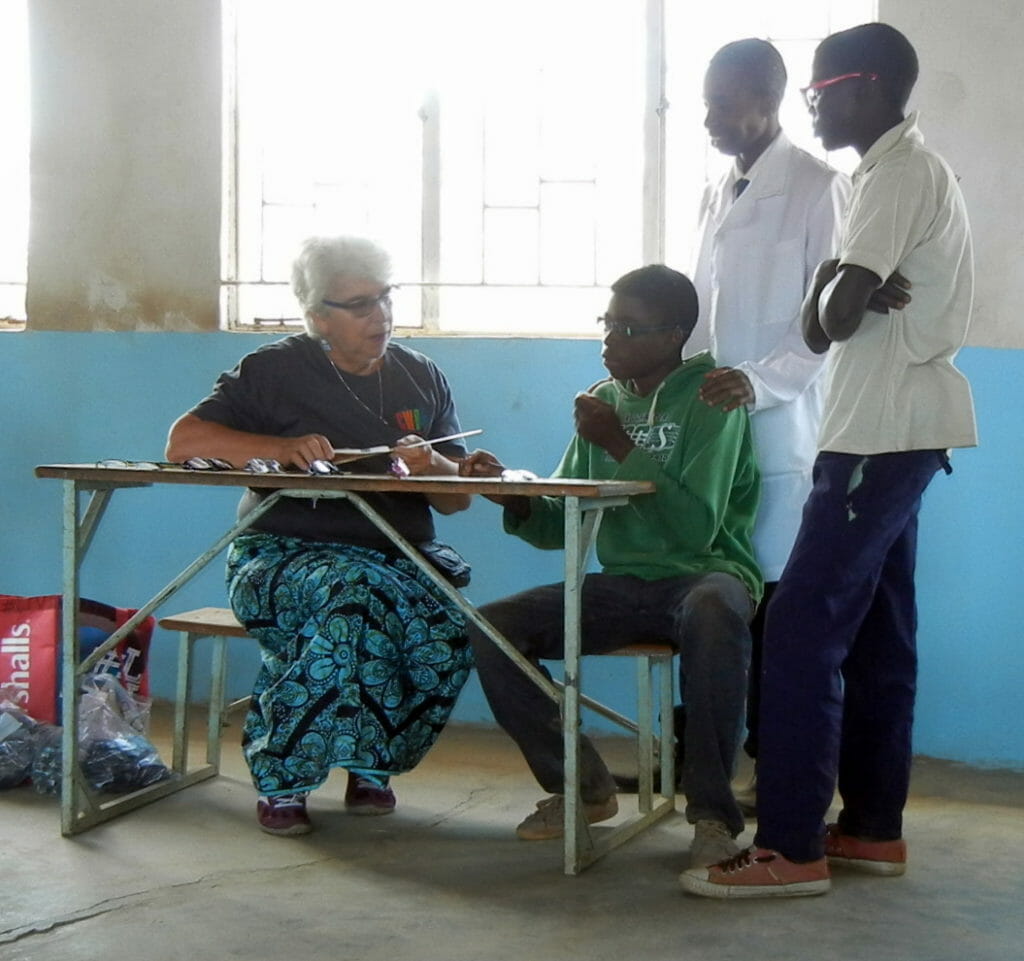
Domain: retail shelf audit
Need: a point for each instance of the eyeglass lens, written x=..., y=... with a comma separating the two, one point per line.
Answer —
x=362, y=306
x=629, y=329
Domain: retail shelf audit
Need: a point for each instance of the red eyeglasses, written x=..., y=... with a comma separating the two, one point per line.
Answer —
x=812, y=92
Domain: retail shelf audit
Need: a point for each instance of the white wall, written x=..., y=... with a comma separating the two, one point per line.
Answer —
x=973, y=114
x=125, y=167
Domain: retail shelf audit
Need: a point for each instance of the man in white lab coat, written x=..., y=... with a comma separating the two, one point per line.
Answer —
x=765, y=226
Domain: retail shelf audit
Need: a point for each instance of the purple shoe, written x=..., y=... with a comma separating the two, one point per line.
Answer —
x=284, y=814
x=362, y=796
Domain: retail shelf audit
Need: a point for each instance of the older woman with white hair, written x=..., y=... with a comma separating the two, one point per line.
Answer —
x=362, y=656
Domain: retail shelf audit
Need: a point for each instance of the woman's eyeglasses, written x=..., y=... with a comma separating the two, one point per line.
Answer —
x=361, y=307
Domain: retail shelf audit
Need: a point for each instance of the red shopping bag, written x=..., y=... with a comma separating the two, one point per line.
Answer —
x=30, y=649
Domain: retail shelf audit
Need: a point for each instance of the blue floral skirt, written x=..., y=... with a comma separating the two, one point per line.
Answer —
x=363, y=658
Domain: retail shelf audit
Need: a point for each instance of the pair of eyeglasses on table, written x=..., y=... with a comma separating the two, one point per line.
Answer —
x=260, y=465
x=255, y=466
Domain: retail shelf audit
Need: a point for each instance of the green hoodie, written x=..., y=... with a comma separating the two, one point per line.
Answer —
x=702, y=460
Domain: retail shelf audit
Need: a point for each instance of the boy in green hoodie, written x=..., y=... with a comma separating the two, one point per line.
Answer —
x=677, y=564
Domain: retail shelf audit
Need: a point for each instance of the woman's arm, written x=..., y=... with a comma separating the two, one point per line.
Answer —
x=191, y=436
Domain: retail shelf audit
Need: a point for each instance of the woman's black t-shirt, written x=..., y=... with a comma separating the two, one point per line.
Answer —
x=290, y=387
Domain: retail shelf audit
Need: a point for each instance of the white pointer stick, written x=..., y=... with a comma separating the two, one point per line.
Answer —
x=438, y=440
x=350, y=454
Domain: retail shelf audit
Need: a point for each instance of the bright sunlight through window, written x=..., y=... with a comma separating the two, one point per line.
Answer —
x=514, y=158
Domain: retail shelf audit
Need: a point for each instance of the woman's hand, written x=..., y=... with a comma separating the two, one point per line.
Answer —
x=302, y=451
x=424, y=461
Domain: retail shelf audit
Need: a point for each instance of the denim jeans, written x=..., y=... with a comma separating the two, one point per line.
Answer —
x=704, y=617
x=840, y=657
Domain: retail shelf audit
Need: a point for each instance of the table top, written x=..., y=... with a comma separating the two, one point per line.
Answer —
x=92, y=475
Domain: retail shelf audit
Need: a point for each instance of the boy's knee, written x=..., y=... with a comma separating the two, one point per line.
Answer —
x=708, y=605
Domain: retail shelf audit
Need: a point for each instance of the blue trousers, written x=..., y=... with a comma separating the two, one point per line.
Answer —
x=840, y=659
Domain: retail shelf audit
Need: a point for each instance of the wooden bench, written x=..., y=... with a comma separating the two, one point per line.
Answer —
x=655, y=747
x=654, y=681
x=217, y=623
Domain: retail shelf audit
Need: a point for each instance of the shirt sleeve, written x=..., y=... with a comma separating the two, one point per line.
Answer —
x=545, y=527
x=236, y=400
x=887, y=218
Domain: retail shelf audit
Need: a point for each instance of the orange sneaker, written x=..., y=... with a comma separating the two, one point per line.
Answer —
x=888, y=858
x=758, y=873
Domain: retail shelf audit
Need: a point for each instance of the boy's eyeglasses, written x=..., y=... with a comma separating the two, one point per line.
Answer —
x=361, y=307
x=812, y=92
x=627, y=329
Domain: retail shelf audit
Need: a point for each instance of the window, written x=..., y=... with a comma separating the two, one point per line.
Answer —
x=14, y=192
x=514, y=158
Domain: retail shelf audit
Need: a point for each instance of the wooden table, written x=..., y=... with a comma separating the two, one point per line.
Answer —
x=585, y=502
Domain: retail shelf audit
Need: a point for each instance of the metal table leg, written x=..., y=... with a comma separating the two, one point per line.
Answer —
x=80, y=807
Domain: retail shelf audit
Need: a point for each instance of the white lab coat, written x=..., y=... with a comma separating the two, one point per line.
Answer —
x=754, y=263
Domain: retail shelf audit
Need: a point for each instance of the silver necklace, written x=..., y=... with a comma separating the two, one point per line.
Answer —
x=379, y=413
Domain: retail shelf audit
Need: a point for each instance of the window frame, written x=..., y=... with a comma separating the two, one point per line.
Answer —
x=429, y=285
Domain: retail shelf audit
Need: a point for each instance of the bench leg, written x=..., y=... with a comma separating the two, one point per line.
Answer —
x=182, y=704
x=215, y=715
x=655, y=685
x=667, y=728
x=645, y=733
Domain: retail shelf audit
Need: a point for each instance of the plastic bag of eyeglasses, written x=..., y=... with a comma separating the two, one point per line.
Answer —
x=115, y=754
x=18, y=736
x=30, y=750
x=46, y=770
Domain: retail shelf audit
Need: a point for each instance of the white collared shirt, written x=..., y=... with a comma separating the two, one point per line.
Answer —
x=892, y=386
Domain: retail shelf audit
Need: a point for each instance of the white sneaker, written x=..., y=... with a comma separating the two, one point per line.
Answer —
x=548, y=821
x=712, y=842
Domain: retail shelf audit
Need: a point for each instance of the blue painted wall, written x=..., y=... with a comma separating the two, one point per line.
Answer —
x=71, y=398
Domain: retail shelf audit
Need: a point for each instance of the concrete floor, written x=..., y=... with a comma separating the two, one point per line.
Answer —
x=191, y=876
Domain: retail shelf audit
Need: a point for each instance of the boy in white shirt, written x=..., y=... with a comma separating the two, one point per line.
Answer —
x=840, y=649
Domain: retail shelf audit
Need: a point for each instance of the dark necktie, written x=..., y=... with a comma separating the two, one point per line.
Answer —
x=739, y=187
